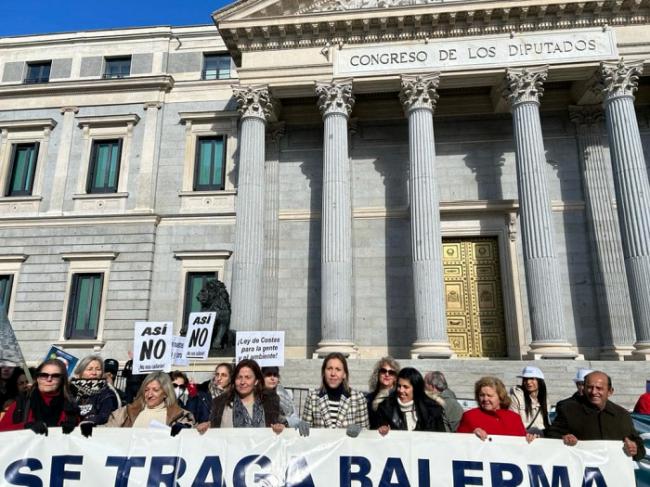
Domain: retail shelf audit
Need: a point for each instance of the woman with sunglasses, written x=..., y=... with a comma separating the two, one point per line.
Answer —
x=48, y=404
x=155, y=403
x=190, y=398
x=409, y=408
x=95, y=397
x=382, y=382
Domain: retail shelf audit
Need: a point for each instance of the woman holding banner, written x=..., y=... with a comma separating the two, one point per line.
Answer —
x=94, y=395
x=247, y=404
x=409, y=408
x=47, y=405
x=492, y=417
x=334, y=404
x=155, y=403
x=382, y=383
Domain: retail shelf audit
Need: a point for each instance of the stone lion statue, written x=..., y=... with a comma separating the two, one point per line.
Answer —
x=214, y=297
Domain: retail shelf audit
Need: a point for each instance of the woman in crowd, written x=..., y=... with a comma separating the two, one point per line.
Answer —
x=409, y=408
x=529, y=400
x=272, y=383
x=48, y=404
x=247, y=404
x=220, y=382
x=382, y=383
x=190, y=398
x=155, y=402
x=492, y=416
x=334, y=404
x=95, y=397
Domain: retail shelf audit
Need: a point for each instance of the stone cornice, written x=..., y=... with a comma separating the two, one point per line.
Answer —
x=108, y=120
x=439, y=20
x=136, y=83
x=28, y=124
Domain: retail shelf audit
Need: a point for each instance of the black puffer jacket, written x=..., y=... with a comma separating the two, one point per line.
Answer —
x=95, y=398
x=429, y=415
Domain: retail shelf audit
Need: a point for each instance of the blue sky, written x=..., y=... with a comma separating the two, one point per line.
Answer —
x=19, y=17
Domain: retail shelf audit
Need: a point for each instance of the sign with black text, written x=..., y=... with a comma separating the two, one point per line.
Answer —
x=178, y=348
x=152, y=346
x=265, y=347
x=199, y=335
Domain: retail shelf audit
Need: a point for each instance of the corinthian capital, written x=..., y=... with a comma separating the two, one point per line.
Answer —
x=419, y=91
x=586, y=115
x=254, y=101
x=524, y=85
x=621, y=78
x=335, y=97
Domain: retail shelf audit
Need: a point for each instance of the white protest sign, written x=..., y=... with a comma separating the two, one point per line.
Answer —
x=199, y=335
x=265, y=347
x=178, y=345
x=152, y=346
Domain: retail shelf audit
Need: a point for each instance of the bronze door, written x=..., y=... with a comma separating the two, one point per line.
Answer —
x=475, y=322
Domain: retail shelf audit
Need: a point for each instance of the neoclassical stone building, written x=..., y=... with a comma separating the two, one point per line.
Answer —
x=425, y=179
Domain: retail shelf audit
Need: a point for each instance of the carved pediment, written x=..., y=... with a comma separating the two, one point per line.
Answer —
x=340, y=5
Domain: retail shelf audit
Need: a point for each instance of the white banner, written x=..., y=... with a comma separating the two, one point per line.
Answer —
x=199, y=335
x=265, y=347
x=327, y=458
x=152, y=346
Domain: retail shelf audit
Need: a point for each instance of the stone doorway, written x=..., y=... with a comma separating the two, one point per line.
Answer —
x=474, y=301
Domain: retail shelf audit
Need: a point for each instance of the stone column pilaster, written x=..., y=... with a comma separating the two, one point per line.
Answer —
x=146, y=177
x=272, y=225
x=632, y=188
x=419, y=98
x=62, y=161
x=256, y=109
x=335, y=101
x=613, y=297
x=523, y=90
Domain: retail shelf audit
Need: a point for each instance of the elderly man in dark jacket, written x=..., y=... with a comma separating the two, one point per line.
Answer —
x=594, y=417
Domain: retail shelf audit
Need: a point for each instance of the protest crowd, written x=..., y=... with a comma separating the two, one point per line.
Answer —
x=246, y=395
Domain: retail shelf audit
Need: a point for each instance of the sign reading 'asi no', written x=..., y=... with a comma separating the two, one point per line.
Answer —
x=594, y=44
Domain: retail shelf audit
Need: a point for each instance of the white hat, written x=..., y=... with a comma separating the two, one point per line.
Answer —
x=531, y=372
x=581, y=374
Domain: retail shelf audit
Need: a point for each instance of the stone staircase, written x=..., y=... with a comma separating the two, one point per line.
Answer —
x=628, y=378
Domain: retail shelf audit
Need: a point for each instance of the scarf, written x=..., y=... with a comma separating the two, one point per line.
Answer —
x=408, y=410
x=379, y=398
x=83, y=388
x=241, y=418
x=47, y=407
x=214, y=390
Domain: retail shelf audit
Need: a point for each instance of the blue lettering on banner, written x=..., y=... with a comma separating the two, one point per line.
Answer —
x=15, y=477
x=593, y=477
x=346, y=476
x=499, y=471
x=210, y=466
x=538, y=478
x=167, y=479
x=124, y=466
x=394, y=466
x=59, y=474
x=424, y=477
x=298, y=474
x=239, y=475
x=461, y=479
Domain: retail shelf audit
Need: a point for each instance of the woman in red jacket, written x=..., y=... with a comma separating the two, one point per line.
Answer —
x=492, y=417
x=48, y=404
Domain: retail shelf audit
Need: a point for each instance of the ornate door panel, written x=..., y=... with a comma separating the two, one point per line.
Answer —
x=475, y=321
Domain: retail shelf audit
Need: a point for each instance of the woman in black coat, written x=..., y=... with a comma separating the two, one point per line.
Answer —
x=409, y=408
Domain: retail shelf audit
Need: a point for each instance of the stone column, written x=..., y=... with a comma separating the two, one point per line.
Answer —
x=632, y=190
x=63, y=161
x=523, y=90
x=419, y=98
x=335, y=101
x=256, y=109
x=272, y=225
x=146, y=178
x=613, y=297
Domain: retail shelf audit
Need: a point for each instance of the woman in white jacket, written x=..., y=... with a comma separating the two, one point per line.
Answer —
x=530, y=401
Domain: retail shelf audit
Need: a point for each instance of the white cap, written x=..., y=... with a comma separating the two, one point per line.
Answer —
x=531, y=372
x=581, y=374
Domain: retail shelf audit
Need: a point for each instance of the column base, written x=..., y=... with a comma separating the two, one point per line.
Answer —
x=616, y=352
x=423, y=350
x=553, y=350
x=641, y=351
x=346, y=348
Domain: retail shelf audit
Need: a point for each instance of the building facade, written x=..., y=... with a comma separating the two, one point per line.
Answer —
x=429, y=180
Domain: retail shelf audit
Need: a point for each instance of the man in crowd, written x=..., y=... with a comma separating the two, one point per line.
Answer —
x=579, y=381
x=594, y=417
x=438, y=390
